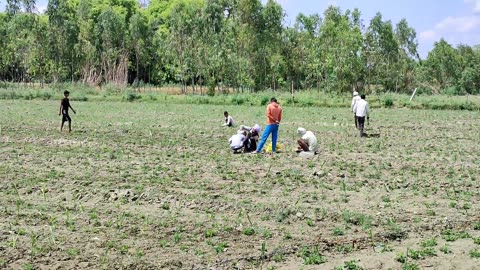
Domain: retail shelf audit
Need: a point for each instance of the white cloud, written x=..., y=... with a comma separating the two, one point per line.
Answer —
x=333, y=3
x=459, y=24
x=429, y=35
x=451, y=25
x=475, y=4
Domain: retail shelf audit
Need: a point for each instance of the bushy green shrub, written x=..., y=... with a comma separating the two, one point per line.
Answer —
x=132, y=96
x=238, y=100
x=388, y=102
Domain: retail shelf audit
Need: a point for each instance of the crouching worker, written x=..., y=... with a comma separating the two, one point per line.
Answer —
x=253, y=134
x=307, y=141
x=229, y=122
x=236, y=141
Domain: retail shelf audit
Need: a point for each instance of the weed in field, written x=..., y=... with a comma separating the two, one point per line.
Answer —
x=210, y=233
x=451, y=235
x=401, y=257
x=164, y=243
x=123, y=249
x=73, y=252
x=310, y=222
x=355, y=218
x=248, y=231
x=384, y=248
x=428, y=252
x=28, y=266
x=349, y=265
x=267, y=234
x=476, y=226
x=446, y=249
x=345, y=249
x=475, y=253
x=312, y=256
x=476, y=241
x=414, y=254
x=177, y=237
x=221, y=247
x=338, y=231
x=410, y=266
x=429, y=243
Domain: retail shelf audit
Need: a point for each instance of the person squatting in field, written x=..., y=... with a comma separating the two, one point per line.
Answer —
x=307, y=142
x=361, y=111
x=237, y=140
x=253, y=134
x=274, y=117
x=64, y=106
x=229, y=122
x=355, y=98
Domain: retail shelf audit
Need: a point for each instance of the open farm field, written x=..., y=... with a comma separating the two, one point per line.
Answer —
x=145, y=185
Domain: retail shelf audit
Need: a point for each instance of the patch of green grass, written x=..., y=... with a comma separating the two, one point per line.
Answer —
x=476, y=241
x=349, y=265
x=410, y=266
x=451, y=235
x=220, y=247
x=73, y=252
x=248, y=231
x=429, y=243
x=475, y=253
x=338, y=231
x=312, y=256
x=446, y=249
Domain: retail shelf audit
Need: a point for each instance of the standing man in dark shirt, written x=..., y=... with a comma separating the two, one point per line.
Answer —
x=64, y=105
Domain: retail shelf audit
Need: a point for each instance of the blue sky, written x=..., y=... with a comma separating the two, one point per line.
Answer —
x=458, y=21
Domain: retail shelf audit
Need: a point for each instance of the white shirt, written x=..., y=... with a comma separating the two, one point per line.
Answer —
x=311, y=140
x=229, y=121
x=354, y=101
x=361, y=108
x=236, y=141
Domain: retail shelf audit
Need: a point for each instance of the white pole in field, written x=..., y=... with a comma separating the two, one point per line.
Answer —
x=413, y=95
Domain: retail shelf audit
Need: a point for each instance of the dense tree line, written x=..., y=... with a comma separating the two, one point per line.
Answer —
x=223, y=44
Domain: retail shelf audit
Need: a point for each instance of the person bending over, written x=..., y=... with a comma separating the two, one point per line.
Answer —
x=236, y=141
x=229, y=122
x=307, y=142
x=253, y=133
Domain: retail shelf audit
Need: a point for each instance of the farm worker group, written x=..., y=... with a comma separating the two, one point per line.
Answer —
x=247, y=138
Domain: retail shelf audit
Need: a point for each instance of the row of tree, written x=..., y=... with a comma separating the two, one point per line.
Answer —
x=222, y=44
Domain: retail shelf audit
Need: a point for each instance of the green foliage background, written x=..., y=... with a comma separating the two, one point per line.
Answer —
x=224, y=46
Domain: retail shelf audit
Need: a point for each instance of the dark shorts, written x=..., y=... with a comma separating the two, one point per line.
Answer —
x=361, y=120
x=66, y=118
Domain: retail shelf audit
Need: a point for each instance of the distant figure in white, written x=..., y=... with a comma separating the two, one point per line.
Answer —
x=229, y=122
x=237, y=140
x=361, y=112
x=356, y=97
x=307, y=142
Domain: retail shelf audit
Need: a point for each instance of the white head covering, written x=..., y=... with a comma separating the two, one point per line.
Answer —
x=240, y=132
x=257, y=128
x=355, y=93
x=301, y=131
